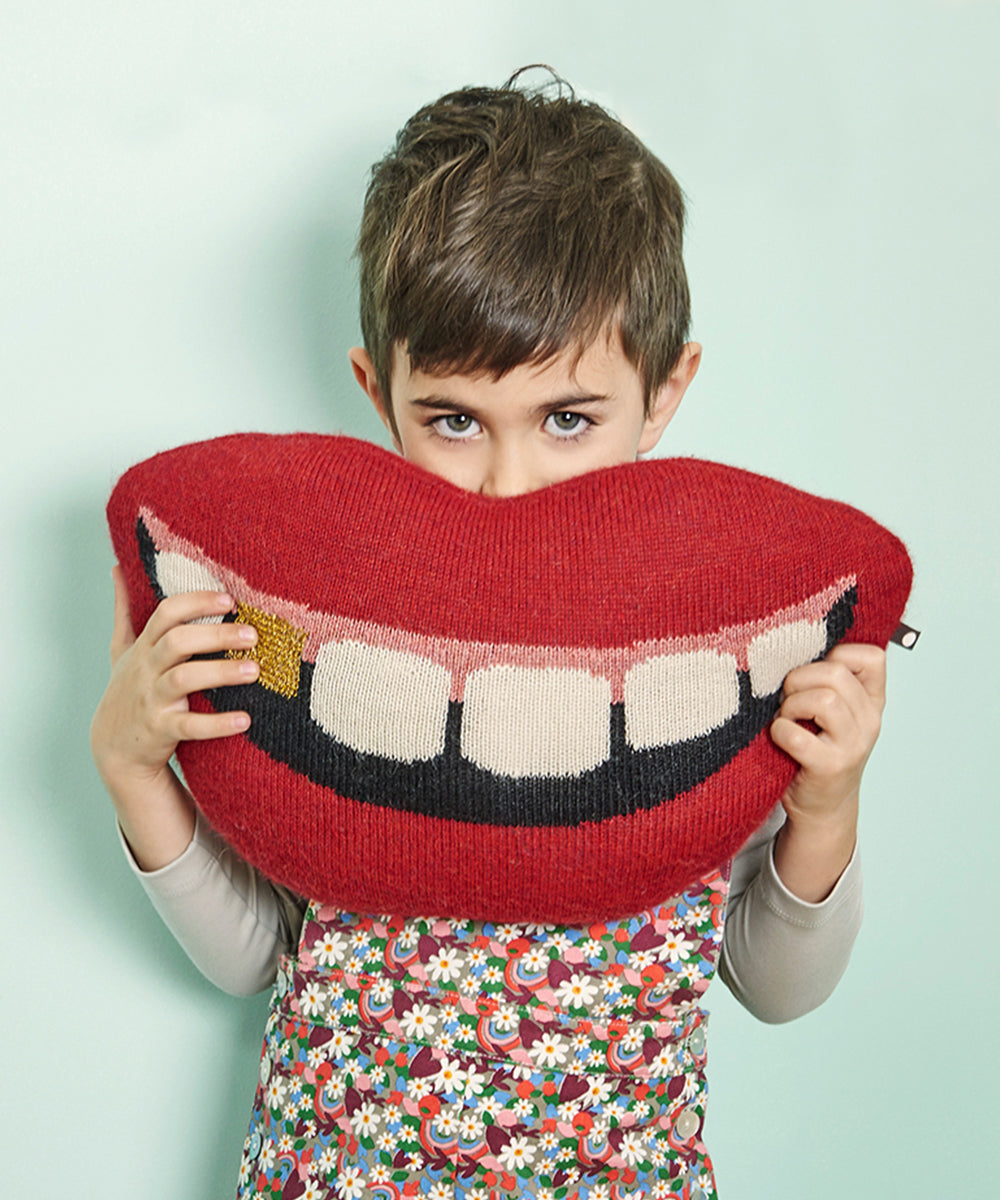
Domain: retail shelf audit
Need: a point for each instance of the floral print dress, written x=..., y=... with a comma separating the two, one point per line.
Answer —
x=444, y=1058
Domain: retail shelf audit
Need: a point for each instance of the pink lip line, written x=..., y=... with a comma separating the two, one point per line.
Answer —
x=460, y=657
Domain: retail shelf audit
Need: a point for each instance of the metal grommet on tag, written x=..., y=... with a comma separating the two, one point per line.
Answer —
x=905, y=636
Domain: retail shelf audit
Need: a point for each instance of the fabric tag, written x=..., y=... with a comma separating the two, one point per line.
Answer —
x=905, y=636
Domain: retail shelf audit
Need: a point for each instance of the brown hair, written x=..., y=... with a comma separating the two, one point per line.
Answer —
x=506, y=224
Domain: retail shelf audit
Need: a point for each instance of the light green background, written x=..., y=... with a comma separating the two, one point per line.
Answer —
x=181, y=186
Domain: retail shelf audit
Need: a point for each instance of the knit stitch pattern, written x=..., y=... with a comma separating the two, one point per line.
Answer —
x=548, y=707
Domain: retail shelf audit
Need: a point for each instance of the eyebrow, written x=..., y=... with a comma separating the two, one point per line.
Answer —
x=560, y=404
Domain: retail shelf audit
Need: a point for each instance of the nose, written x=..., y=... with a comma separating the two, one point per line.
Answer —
x=508, y=472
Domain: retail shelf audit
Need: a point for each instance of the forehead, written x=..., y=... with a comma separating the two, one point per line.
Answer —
x=599, y=366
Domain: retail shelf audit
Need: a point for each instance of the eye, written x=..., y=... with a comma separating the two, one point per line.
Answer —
x=566, y=424
x=455, y=426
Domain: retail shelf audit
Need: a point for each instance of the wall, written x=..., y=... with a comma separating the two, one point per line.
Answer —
x=181, y=188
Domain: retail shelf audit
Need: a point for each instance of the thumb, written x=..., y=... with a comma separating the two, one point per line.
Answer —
x=122, y=634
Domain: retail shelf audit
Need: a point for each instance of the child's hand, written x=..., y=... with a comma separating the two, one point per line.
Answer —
x=844, y=696
x=144, y=712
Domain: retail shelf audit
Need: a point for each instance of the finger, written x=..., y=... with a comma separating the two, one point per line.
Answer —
x=835, y=676
x=827, y=707
x=122, y=633
x=866, y=663
x=799, y=743
x=185, y=607
x=202, y=727
x=182, y=642
x=200, y=676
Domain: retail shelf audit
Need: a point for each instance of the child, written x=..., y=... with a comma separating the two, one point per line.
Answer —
x=525, y=314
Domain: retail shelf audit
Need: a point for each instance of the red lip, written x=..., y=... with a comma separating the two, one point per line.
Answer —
x=604, y=594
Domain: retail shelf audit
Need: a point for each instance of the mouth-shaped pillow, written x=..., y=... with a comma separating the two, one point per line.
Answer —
x=550, y=707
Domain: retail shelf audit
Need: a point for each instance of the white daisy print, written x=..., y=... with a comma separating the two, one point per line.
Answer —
x=676, y=947
x=549, y=1051
x=471, y=1127
x=576, y=992
x=630, y=1148
x=365, y=1120
x=518, y=1152
x=444, y=966
x=350, y=1184
x=598, y=1090
x=451, y=1077
x=419, y=1022
x=329, y=948
x=311, y=999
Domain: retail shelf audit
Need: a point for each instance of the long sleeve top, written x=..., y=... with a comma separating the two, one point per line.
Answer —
x=781, y=956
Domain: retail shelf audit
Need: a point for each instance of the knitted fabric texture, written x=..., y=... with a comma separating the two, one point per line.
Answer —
x=549, y=707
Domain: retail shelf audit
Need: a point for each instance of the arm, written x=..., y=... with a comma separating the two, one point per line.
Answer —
x=231, y=922
x=795, y=900
x=783, y=956
x=144, y=713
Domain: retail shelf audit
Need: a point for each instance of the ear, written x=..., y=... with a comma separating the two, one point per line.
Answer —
x=364, y=373
x=667, y=398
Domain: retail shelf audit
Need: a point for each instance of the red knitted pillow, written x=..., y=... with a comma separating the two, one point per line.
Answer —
x=552, y=707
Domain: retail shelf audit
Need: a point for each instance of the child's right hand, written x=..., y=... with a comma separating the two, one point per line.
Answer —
x=144, y=713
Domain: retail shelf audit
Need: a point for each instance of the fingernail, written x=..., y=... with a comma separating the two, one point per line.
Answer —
x=224, y=600
x=249, y=668
x=247, y=633
x=241, y=721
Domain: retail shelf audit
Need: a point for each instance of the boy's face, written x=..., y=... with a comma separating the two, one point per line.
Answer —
x=536, y=425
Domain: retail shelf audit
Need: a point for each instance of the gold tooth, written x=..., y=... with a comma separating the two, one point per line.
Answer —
x=278, y=650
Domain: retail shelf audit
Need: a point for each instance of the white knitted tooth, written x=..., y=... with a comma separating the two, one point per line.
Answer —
x=536, y=721
x=775, y=653
x=176, y=573
x=378, y=700
x=675, y=697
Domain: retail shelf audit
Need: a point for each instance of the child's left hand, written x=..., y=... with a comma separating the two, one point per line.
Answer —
x=844, y=696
